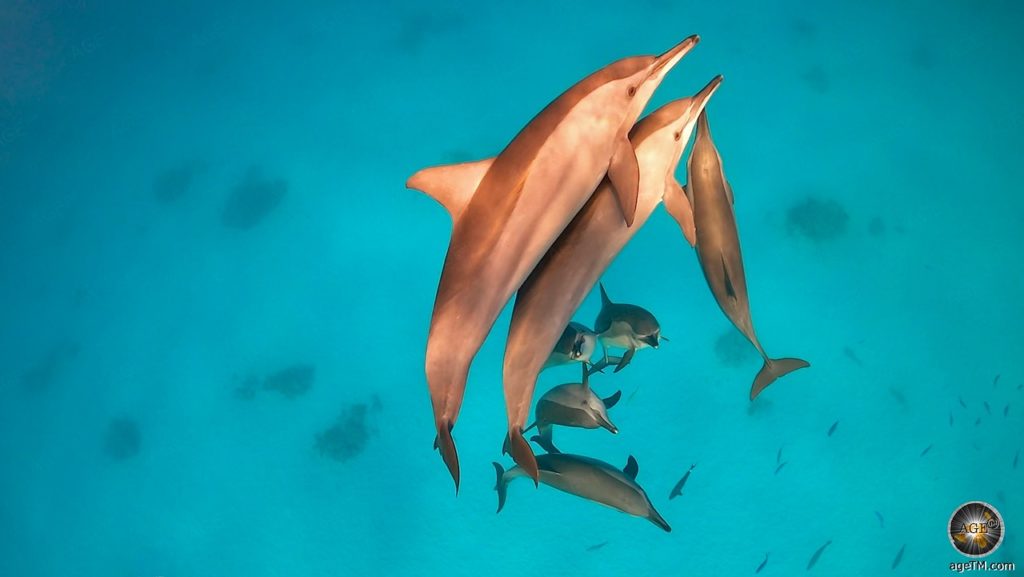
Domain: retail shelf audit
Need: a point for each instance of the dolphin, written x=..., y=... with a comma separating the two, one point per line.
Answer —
x=627, y=327
x=558, y=285
x=591, y=479
x=576, y=344
x=571, y=405
x=507, y=211
x=718, y=248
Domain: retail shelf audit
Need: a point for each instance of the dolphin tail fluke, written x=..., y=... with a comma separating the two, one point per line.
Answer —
x=500, y=486
x=772, y=370
x=523, y=454
x=445, y=444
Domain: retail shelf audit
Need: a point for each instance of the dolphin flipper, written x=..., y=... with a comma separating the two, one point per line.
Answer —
x=452, y=185
x=612, y=400
x=626, y=358
x=772, y=370
x=678, y=205
x=545, y=441
x=624, y=174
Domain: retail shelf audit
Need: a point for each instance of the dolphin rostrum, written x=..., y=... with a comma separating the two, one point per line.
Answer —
x=506, y=212
x=718, y=248
x=591, y=479
x=571, y=405
x=557, y=287
x=576, y=344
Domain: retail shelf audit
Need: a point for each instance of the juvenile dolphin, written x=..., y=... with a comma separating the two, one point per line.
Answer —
x=571, y=405
x=576, y=344
x=508, y=210
x=591, y=479
x=627, y=327
x=558, y=285
x=718, y=248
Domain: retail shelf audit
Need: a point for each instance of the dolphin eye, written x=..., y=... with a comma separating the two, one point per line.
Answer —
x=631, y=91
x=678, y=135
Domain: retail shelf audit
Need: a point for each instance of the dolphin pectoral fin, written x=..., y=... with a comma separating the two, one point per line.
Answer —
x=772, y=370
x=445, y=444
x=544, y=439
x=624, y=174
x=500, y=486
x=625, y=360
x=612, y=400
x=523, y=454
x=679, y=207
x=586, y=378
x=452, y=185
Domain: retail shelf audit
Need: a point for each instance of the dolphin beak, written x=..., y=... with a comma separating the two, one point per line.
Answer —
x=700, y=100
x=660, y=521
x=669, y=59
x=606, y=424
x=651, y=340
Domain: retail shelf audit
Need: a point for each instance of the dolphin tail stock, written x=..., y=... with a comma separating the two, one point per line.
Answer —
x=523, y=454
x=500, y=485
x=772, y=370
x=445, y=444
x=506, y=446
x=544, y=439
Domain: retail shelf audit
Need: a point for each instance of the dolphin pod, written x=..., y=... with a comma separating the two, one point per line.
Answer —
x=543, y=220
x=507, y=211
x=557, y=287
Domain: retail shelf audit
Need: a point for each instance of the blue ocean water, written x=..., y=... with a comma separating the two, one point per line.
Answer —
x=216, y=289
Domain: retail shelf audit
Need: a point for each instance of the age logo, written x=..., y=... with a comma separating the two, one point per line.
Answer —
x=976, y=529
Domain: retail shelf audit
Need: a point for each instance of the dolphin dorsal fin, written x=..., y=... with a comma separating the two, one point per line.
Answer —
x=605, y=301
x=452, y=185
x=678, y=205
x=728, y=193
x=632, y=468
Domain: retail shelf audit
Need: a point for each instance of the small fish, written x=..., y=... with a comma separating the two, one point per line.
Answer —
x=951, y=418
x=962, y=403
x=988, y=409
x=832, y=429
x=977, y=422
x=926, y=449
x=597, y=546
x=778, y=456
x=779, y=468
x=995, y=381
x=678, y=489
x=881, y=520
x=817, y=555
x=899, y=556
x=1020, y=386
x=1016, y=457
x=763, y=563
x=852, y=356
x=1006, y=409
x=630, y=399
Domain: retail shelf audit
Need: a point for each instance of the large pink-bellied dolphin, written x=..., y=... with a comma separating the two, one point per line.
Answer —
x=569, y=270
x=508, y=210
x=718, y=247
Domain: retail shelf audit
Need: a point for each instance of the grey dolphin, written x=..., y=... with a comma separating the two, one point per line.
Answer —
x=572, y=265
x=571, y=405
x=576, y=344
x=508, y=210
x=591, y=479
x=718, y=248
x=627, y=327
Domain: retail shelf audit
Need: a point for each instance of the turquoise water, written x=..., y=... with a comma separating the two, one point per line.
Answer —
x=197, y=198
